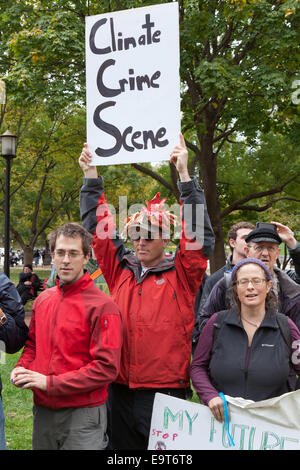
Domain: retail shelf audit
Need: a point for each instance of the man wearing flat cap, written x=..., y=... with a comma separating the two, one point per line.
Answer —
x=264, y=243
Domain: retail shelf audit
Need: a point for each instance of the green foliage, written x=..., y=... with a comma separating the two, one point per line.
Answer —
x=239, y=59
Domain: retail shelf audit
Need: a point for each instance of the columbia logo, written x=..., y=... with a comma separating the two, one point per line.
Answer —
x=159, y=281
x=268, y=345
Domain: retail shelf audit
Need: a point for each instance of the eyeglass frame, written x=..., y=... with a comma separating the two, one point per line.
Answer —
x=62, y=255
x=261, y=248
x=253, y=281
x=136, y=233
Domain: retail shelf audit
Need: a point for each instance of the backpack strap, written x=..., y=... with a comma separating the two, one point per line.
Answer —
x=218, y=324
x=285, y=329
x=227, y=278
x=227, y=283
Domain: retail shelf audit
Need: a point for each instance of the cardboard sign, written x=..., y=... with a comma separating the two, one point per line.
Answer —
x=133, y=85
x=267, y=425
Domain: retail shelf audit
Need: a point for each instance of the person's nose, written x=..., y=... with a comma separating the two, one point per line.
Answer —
x=250, y=284
x=66, y=258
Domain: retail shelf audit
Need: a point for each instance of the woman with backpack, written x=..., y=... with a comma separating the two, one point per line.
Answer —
x=246, y=351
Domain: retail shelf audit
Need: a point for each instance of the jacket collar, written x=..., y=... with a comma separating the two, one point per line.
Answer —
x=78, y=286
x=135, y=266
x=233, y=318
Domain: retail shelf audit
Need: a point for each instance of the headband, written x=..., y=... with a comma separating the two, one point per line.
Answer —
x=247, y=261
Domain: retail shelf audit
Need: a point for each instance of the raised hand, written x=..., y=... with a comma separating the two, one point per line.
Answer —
x=84, y=163
x=179, y=157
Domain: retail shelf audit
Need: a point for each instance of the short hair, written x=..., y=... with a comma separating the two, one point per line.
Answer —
x=71, y=230
x=28, y=266
x=232, y=233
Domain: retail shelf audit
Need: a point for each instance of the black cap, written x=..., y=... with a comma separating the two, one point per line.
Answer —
x=263, y=232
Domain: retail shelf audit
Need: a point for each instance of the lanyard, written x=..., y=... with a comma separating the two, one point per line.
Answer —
x=230, y=440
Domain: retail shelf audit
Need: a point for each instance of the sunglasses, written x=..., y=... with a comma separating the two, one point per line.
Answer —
x=148, y=235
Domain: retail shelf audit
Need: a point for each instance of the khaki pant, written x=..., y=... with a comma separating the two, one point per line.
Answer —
x=69, y=428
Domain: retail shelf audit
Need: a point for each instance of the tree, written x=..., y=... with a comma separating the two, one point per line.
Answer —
x=238, y=61
x=44, y=178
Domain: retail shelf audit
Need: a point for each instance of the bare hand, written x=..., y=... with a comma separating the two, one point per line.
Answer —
x=84, y=163
x=25, y=378
x=216, y=407
x=179, y=157
x=286, y=235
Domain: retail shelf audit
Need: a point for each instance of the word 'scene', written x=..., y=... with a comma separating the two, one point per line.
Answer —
x=139, y=139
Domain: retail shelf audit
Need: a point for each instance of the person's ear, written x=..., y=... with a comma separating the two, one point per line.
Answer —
x=165, y=243
x=231, y=242
x=269, y=285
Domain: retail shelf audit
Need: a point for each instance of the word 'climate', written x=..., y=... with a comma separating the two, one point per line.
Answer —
x=119, y=43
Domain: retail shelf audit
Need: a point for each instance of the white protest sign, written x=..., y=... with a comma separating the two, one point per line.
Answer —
x=267, y=425
x=133, y=85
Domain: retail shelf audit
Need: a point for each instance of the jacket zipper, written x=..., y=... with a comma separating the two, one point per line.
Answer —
x=249, y=348
x=52, y=336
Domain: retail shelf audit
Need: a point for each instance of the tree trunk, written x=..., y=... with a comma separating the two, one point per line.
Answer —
x=209, y=181
x=28, y=254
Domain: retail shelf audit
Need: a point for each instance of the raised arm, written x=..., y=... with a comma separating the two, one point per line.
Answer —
x=108, y=247
x=289, y=239
x=197, y=237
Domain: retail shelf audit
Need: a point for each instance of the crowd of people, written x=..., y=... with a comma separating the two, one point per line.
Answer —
x=16, y=257
x=95, y=362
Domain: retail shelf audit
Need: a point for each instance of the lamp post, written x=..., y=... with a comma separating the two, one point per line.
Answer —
x=9, y=145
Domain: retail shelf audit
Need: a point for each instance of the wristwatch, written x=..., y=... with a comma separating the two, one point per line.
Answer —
x=3, y=318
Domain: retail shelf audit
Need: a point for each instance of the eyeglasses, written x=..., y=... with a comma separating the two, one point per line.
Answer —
x=256, y=281
x=261, y=248
x=72, y=254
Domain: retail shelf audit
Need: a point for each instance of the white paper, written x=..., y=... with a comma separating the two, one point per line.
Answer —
x=266, y=425
x=155, y=107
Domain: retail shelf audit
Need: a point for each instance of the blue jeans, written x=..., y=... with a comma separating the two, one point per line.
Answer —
x=2, y=433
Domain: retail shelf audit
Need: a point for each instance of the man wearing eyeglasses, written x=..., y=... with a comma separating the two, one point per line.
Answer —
x=155, y=294
x=264, y=243
x=72, y=352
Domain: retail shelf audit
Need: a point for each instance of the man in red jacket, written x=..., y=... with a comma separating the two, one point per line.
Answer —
x=155, y=294
x=72, y=352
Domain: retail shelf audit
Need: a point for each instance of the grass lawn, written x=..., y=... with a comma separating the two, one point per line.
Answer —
x=17, y=403
x=17, y=406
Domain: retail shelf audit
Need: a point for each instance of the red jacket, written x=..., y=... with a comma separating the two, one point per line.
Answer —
x=157, y=308
x=74, y=339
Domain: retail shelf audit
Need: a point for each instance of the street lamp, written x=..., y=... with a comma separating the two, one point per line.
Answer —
x=9, y=145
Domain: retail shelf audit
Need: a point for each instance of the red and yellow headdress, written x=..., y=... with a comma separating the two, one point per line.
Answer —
x=153, y=214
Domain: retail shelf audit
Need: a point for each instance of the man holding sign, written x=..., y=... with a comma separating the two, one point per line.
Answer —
x=155, y=294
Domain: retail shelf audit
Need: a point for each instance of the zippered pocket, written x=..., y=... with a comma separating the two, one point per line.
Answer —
x=110, y=329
